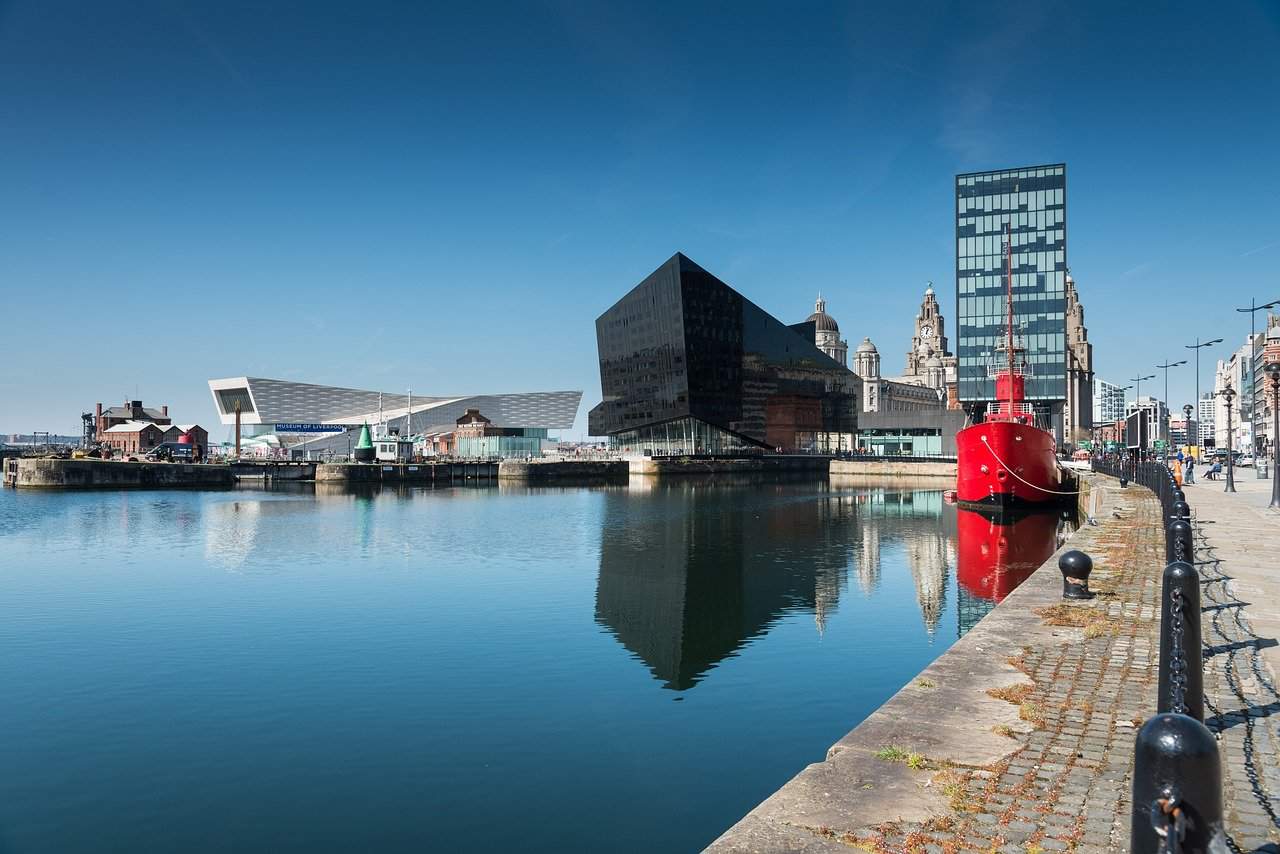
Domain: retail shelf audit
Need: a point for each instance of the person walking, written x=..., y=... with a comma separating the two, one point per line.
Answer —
x=1189, y=472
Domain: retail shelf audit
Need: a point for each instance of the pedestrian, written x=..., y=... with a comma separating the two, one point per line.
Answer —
x=1189, y=475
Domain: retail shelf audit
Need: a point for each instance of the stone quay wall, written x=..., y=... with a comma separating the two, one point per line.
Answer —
x=772, y=464
x=408, y=473
x=36, y=473
x=562, y=470
x=943, y=470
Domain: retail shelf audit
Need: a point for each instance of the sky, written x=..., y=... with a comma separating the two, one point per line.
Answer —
x=445, y=196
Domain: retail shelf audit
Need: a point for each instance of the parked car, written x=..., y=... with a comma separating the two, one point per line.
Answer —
x=170, y=451
x=1244, y=460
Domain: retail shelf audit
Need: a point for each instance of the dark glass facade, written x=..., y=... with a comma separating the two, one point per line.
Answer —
x=1033, y=202
x=688, y=365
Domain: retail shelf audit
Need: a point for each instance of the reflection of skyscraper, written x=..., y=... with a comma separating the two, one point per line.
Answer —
x=688, y=576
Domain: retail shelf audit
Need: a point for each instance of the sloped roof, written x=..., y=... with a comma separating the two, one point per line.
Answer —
x=127, y=412
x=132, y=427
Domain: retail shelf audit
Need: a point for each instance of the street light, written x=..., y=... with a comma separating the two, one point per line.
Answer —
x=1197, y=347
x=1165, y=367
x=1252, y=309
x=1228, y=395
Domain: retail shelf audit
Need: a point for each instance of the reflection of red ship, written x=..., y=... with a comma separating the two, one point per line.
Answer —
x=1006, y=459
x=997, y=553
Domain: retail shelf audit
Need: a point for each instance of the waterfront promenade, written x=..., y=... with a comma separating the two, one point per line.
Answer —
x=1020, y=738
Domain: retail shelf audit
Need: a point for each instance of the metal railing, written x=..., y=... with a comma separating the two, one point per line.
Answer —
x=1177, y=773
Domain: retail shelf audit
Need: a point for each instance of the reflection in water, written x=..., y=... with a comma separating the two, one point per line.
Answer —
x=688, y=579
x=999, y=552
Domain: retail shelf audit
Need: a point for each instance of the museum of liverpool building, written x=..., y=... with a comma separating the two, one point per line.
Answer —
x=314, y=421
x=690, y=366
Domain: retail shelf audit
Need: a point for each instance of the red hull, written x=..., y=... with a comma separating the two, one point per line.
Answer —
x=996, y=555
x=1003, y=463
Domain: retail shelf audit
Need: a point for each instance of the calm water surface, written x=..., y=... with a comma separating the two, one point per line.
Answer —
x=473, y=669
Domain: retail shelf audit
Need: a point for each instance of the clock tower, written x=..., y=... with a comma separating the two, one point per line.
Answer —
x=930, y=340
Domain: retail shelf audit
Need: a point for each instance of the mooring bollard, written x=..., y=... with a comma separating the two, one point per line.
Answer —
x=1178, y=542
x=1177, y=788
x=1181, y=685
x=1075, y=567
x=1181, y=509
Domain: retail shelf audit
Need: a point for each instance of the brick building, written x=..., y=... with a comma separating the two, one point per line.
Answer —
x=132, y=437
x=131, y=410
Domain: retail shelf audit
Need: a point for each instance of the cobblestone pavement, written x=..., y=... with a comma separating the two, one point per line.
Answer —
x=1068, y=786
x=1085, y=681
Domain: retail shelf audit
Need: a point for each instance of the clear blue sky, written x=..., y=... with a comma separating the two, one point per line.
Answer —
x=447, y=195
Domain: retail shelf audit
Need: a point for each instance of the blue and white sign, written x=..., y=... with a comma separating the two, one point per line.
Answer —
x=310, y=428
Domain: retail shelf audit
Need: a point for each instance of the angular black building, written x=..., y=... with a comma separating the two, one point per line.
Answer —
x=690, y=366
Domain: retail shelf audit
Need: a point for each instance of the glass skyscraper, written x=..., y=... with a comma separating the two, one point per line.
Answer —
x=1033, y=202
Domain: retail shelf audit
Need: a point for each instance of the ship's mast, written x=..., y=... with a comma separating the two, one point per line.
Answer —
x=1008, y=262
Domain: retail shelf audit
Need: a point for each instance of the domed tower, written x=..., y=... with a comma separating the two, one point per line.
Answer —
x=866, y=364
x=935, y=375
x=827, y=333
x=866, y=360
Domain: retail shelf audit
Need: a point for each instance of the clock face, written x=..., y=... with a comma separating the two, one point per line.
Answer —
x=926, y=331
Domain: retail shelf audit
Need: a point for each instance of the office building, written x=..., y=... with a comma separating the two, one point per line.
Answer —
x=690, y=366
x=1206, y=417
x=1156, y=415
x=1108, y=402
x=1232, y=371
x=1032, y=202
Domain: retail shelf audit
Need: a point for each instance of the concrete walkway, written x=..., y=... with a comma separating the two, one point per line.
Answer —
x=1020, y=737
x=1238, y=541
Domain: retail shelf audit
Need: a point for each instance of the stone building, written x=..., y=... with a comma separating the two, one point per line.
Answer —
x=898, y=394
x=827, y=333
x=929, y=352
x=1077, y=410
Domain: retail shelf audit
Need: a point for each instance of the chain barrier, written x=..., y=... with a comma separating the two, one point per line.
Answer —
x=1177, y=658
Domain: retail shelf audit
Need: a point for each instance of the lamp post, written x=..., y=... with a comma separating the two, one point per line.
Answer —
x=1228, y=395
x=1197, y=347
x=1165, y=367
x=1186, y=415
x=1252, y=308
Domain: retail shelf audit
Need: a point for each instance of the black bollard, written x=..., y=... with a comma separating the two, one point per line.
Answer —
x=1181, y=684
x=1181, y=510
x=1177, y=788
x=1178, y=542
x=1179, y=495
x=1075, y=567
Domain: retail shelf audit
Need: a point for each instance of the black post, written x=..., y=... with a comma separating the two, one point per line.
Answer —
x=1181, y=674
x=1177, y=788
x=1075, y=567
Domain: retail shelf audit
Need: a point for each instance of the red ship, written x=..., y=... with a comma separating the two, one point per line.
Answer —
x=1007, y=459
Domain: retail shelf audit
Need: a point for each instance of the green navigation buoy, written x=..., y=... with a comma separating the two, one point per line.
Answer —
x=364, y=448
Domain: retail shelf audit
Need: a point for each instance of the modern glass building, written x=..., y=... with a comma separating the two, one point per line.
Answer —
x=316, y=419
x=1108, y=402
x=690, y=366
x=1033, y=202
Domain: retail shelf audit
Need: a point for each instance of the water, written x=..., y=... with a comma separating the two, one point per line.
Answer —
x=470, y=669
